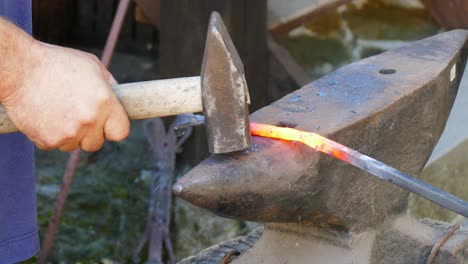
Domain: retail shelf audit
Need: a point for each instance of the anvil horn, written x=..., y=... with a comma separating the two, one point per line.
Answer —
x=392, y=106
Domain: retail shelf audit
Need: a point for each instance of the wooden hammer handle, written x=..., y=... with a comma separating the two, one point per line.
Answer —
x=147, y=99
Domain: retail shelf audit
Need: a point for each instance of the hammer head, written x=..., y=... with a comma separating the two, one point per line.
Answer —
x=224, y=91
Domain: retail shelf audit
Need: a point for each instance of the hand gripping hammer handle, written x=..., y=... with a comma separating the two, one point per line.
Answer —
x=144, y=100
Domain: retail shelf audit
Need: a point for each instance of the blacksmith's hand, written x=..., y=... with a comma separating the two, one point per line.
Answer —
x=61, y=98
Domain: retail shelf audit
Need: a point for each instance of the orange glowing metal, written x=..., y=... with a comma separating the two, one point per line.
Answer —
x=366, y=163
x=312, y=140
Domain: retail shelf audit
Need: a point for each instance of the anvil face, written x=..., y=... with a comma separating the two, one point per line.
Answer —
x=392, y=107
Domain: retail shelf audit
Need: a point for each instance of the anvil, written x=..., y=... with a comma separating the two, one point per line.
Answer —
x=392, y=107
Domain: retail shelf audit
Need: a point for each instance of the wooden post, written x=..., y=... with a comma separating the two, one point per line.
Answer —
x=183, y=31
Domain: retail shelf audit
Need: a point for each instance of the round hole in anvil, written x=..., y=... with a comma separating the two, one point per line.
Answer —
x=387, y=71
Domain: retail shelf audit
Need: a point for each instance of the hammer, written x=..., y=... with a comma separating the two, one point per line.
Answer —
x=220, y=92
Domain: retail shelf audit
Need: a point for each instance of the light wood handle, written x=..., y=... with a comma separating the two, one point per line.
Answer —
x=150, y=99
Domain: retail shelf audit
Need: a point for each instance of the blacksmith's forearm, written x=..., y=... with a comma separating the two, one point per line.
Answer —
x=15, y=49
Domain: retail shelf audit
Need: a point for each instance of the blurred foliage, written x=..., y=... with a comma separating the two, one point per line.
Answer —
x=318, y=56
x=377, y=20
x=326, y=26
x=105, y=213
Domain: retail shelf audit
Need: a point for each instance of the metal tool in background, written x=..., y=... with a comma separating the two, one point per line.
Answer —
x=164, y=145
x=220, y=92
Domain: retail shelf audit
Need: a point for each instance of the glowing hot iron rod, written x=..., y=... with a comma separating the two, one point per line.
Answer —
x=365, y=163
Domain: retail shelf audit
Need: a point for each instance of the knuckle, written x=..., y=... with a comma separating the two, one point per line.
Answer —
x=70, y=132
x=92, y=147
x=43, y=146
x=93, y=57
x=119, y=134
x=87, y=118
x=106, y=100
x=103, y=98
x=123, y=134
x=48, y=144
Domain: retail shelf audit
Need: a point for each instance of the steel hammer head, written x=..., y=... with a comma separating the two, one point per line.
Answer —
x=225, y=94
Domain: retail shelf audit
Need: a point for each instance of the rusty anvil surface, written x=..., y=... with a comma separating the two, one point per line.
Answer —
x=392, y=106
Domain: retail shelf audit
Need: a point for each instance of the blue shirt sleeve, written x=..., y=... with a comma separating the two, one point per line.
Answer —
x=18, y=221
